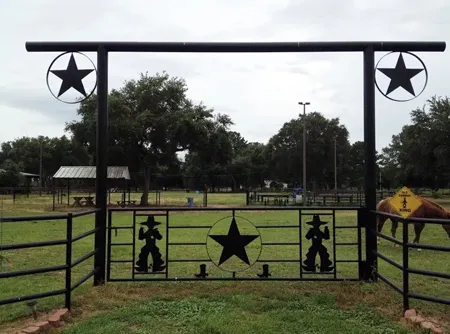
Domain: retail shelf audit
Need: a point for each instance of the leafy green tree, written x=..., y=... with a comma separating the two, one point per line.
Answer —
x=150, y=120
x=10, y=174
x=286, y=157
x=420, y=155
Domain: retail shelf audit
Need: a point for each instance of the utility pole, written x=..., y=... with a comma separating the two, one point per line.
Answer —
x=335, y=168
x=40, y=169
x=304, y=104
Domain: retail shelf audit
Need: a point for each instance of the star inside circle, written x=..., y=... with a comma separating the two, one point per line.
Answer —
x=72, y=77
x=234, y=243
x=400, y=76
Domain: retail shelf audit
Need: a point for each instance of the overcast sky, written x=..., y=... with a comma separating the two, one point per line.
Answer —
x=259, y=91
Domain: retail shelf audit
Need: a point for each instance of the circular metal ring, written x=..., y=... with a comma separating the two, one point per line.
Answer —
x=252, y=262
x=398, y=100
x=88, y=95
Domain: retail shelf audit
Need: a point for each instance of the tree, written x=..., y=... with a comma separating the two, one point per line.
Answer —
x=10, y=174
x=206, y=163
x=150, y=120
x=419, y=155
x=286, y=157
x=25, y=152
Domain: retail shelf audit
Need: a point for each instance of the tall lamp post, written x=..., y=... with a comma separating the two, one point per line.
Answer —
x=304, y=104
x=335, y=168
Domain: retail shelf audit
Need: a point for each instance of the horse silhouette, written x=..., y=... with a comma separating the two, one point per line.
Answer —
x=428, y=209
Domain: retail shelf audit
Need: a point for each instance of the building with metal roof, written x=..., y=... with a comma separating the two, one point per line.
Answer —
x=22, y=173
x=118, y=176
x=89, y=172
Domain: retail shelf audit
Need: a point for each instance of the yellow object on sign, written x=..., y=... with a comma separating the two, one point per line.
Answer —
x=405, y=202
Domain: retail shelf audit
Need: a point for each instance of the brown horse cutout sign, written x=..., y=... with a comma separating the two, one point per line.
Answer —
x=428, y=209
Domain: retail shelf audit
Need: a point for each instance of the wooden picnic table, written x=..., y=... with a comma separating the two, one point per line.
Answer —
x=124, y=203
x=83, y=201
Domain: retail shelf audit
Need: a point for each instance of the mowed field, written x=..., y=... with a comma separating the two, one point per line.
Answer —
x=132, y=307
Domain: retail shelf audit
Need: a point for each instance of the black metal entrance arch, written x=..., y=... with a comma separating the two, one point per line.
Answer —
x=103, y=48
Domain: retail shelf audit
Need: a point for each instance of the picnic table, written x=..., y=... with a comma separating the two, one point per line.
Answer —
x=83, y=201
x=125, y=203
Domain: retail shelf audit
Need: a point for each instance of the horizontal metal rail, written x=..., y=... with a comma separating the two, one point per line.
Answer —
x=388, y=260
x=235, y=47
x=236, y=208
x=84, y=213
x=84, y=234
x=33, y=296
x=33, y=244
x=83, y=258
x=391, y=284
x=43, y=270
x=25, y=219
x=429, y=298
x=430, y=247
x=428, y=273
x=188, y=279
x=387, y=237
x=83, y=279
x=411, y=220
x=276, y=226
x=187, y=243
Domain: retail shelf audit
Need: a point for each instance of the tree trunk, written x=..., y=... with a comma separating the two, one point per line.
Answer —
x=144, y=197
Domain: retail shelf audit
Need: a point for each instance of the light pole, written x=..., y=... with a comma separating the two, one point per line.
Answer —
x=335, y=168
x=304, y=104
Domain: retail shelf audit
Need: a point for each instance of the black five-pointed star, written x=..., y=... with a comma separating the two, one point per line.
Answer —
x=71, y=77
x=234, y=243
x=400, y=76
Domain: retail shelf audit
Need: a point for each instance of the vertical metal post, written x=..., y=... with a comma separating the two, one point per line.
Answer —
x=101, y=165
x=334, y=244
x=40, y=169
x=405, y=267
x=304, y=155
x=304, y=104
x=167, y=244
x=335, y=168
x=370, y=160
x=108, y=257
x=133, y=261
x=68, y=293
x=300, y=243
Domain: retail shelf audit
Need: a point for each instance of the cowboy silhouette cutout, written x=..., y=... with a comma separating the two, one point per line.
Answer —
x=317, y=236
x=150, y=236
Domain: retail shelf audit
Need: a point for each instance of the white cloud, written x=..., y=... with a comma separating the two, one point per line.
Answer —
x=259, y=91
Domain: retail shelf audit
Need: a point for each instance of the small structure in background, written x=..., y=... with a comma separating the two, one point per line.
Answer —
x=118, y=177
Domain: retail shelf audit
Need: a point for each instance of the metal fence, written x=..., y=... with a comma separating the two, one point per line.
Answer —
x=404, y=267
x=67, y=267
x=297, y=238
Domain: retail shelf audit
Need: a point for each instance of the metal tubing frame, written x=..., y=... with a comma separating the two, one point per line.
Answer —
x=404, y=267
x=104, y=47
x=165, y=212
x=67, y=266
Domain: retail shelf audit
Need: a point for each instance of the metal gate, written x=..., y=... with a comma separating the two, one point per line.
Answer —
x=235, y=243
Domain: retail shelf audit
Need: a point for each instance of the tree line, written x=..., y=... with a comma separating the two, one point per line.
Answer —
x=152, y=121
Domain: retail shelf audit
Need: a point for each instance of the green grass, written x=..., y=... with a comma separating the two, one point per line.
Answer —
x=36, y=203
x=237, y=313
x=114, y=299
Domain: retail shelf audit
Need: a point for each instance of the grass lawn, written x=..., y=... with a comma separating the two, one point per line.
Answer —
x=289, y=307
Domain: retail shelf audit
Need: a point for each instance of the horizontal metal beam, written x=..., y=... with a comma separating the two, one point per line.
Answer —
x=319, y=209
x=221, y=47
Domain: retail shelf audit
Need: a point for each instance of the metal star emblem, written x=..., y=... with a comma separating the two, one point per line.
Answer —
x=234, y=243
x=400, y=76
x=72, y=77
